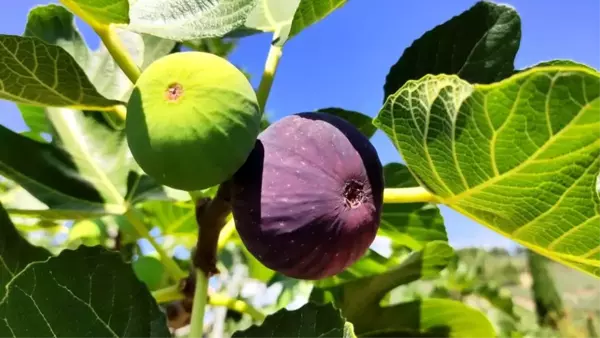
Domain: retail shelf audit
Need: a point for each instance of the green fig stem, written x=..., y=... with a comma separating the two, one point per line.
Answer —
x=211, y=218
x=264, y=88
x=168, y=294
x=221, y=299
x=116, y=49
x=199, y=304
x=408, y=195
x=170, y=265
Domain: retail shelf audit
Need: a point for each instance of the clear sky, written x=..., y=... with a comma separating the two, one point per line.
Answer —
x=343, y=60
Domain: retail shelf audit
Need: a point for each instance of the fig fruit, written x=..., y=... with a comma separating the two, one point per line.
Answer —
x=192, y=120
x=307, y=201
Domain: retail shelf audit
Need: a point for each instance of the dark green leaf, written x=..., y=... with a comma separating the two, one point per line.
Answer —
x=360, y=121
x=309, y=321
x=520, y=156
x=312, y=11
x=100, y=12
x=50, y=174
x=38, y=73
x=360, y=299
x=479, y=45
x=497, y=297
x=88, y=292
x=409, y=224
x=182, y=20
x=15, y=251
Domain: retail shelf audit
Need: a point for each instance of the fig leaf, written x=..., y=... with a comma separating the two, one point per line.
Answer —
x=111, y=302
x=490, y=36
x=520, y=156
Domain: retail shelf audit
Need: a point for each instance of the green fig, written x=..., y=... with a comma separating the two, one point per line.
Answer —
x=192, y=120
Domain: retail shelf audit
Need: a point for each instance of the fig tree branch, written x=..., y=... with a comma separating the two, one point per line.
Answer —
x=408, y=195
x=264, y=88
x=170, y=265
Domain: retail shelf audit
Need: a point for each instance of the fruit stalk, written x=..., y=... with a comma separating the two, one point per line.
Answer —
x=264, y=88
x=408, y=195
x=116, y=49
x=211, y=218
x=198, y=307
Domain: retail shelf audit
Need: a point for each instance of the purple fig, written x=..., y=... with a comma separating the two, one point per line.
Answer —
x=307, y=201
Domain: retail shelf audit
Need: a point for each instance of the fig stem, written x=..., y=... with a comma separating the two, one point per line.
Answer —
x=116, y=49
x=408, y=195
x=264, y=88
x=199, y=304
x=222, y=299
x=170, y=265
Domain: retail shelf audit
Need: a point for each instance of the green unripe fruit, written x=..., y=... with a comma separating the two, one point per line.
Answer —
x=192, y=120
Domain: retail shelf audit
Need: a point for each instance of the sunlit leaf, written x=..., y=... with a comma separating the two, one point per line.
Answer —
x=359, y=120
x=270, y=16
x=479, y=45
x=309, y=321
x=188, y=19
x=311, y=11
x=151, y=271
x=91, y=282
x=100, y=12
x=409, y=224
x=38, y=73
x=520, y=156
x=15, y=251
x=50, y=174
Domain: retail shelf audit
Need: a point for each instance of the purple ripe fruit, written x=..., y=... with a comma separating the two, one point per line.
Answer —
x=307, y=201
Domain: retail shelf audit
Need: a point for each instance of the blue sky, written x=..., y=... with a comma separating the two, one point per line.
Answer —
x=343, y=60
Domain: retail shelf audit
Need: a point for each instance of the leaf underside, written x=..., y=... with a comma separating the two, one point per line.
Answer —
x=520, y=156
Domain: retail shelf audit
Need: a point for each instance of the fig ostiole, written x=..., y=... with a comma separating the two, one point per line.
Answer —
x=307, y=201
x=192, y=120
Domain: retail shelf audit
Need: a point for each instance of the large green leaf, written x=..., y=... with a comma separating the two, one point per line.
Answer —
x=86, y=292
x=15, y=251
x=312, y=11
x=520, y=156
x=361, y=121
x=99, y=13
x=188, y=19
x=309, y=321
x=479, y=45
x=50, y=174
x=409, y=224
x=38, y=73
